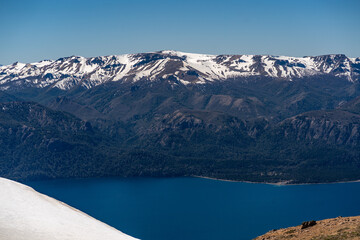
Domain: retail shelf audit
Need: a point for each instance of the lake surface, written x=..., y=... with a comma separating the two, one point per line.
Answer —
x=201, y=209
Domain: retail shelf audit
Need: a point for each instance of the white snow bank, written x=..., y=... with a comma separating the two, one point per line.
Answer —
x=28, y=215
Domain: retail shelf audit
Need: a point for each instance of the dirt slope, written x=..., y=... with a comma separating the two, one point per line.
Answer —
x=329, y=229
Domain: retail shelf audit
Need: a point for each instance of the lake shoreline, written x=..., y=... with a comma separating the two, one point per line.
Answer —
x=282, y=183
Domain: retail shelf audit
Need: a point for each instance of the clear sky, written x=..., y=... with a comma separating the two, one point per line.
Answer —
x=48, y=29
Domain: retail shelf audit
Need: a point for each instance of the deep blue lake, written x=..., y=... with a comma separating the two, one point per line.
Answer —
x=201, y=209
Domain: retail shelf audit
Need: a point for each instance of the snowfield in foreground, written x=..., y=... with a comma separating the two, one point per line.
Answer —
x=29, y=215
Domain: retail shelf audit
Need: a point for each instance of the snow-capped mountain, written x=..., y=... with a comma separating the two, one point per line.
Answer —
x=28, y=215
x=173, y=66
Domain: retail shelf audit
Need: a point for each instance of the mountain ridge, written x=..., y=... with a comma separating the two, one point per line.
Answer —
x=172, y=66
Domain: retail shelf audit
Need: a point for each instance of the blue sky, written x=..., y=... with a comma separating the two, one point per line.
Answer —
x=49, y=29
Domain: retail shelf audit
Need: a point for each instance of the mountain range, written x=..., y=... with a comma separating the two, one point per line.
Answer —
x=168, y=113
x=175, y=67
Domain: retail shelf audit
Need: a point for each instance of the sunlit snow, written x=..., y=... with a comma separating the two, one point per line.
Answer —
x=28, y=215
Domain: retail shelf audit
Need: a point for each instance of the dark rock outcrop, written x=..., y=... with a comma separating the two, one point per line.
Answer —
x=308, y=224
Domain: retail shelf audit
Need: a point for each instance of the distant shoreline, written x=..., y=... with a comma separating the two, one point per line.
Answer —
x=283, y=183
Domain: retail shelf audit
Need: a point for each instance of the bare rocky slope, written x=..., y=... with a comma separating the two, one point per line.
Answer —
x=339, y=228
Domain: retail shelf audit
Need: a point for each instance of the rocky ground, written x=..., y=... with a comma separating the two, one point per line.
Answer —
x=328, y=229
